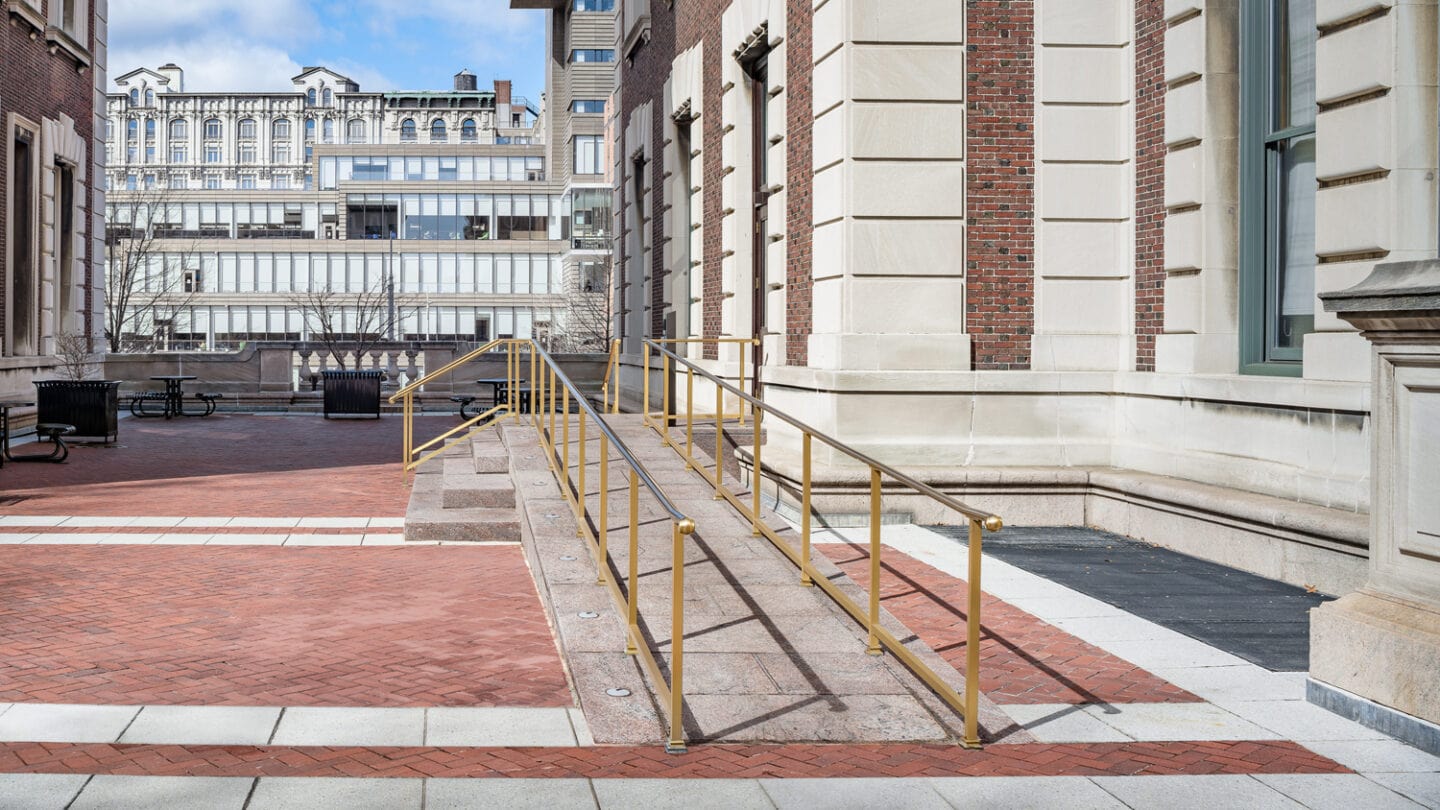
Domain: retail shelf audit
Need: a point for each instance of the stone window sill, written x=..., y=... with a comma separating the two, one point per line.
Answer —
x=61, y=39
x=638, y=35
x=24, y=11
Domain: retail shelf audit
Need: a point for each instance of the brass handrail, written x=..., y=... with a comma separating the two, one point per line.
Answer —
x=749, y=341
x=877, y=635
x=448, y=367
x=612, y=372
x=500, y=410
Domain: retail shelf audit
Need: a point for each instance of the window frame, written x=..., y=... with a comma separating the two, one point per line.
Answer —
x=1260, y=203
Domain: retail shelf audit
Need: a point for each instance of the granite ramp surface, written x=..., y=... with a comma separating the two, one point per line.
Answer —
x=767, y=659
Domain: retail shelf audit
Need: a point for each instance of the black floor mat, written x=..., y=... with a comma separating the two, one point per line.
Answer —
x=1260, y=620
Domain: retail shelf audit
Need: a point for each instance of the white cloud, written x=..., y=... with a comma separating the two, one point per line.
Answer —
x=214, y=64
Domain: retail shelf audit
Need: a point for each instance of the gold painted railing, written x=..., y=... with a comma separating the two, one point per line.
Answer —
x=665, y=369
x=459, y=433
x=869, y=616
x=553, y=393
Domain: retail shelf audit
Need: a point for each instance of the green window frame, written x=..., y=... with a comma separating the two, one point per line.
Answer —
x=1277, y=184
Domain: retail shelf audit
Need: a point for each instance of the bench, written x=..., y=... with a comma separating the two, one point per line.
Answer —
x=209, y=400
x=464, y=402
x=51, y=431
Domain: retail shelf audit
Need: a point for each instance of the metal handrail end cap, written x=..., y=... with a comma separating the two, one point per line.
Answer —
x=994, y=523
x=686, y=526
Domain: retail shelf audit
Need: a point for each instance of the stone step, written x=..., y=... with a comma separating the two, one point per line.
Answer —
x=490, y=457
x=472, y=490
x=428, y=520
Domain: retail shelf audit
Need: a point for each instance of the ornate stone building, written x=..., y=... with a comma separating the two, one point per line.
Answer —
x=51, y=100
x=255, y=199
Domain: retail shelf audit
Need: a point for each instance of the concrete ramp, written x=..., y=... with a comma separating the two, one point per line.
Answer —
x=766, y=659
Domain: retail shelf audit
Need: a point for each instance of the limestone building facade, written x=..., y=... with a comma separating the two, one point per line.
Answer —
x=1063, y=257
x=247, y=202
x=52, y=155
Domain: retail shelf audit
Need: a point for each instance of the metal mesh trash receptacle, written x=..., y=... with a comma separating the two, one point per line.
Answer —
x=352, y=393
x=92, y=406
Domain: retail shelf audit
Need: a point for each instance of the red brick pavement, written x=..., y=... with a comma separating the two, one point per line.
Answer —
x=269, y=626
x=705, y=761
x=1022, y=659
x=224, y=465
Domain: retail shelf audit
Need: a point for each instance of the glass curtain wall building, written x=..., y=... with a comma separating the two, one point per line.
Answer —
x=248, y=201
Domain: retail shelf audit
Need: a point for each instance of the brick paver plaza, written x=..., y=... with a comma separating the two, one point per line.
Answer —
x=254, y=565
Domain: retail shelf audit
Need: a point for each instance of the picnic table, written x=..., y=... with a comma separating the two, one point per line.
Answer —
x=172, y=399
x=500, y=392
x=48, y=431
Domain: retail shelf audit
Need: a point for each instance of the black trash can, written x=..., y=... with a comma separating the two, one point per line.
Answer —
x=92, y=406
x=352, y=393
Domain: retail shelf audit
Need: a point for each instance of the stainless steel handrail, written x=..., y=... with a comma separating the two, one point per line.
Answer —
x=619, y=444
x=959, y=506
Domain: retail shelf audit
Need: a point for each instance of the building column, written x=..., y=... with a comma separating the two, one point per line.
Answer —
x=1381, y=643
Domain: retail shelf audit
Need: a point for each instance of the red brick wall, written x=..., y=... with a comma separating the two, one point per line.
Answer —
x=799, y=223
x=1149, y=179
x=1000, y=191
x=37, y=84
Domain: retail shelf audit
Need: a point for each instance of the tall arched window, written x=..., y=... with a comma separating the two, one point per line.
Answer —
x=355, y=131
x=247, y=129
x=310, y=97
x=309, y=129
x=132, y=130
x=135, y=97
x=407, y=129
x=179, y=130
x=437, y=131
x=328, y=98
x=280, y=129
x=149, y=98
x=213, y=131
x=149, y=129
x=468, y=131
x=329, y=130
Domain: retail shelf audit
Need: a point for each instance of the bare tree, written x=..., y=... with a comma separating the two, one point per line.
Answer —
x=148, y=254
x=589, y=312
x=72, y=349
x=344, y=322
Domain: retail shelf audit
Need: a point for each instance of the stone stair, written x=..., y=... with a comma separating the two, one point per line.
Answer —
x=466, y=495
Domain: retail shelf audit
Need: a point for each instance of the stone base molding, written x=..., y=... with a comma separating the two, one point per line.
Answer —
x=1298, y=543
x=1386, y=649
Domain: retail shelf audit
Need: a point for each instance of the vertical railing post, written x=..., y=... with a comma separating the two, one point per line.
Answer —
x=665, y=395
x=677, y=637
x=408, y=434
x=689, y=418
x=580, y=480
x=740, y=401
x=604, y=528
x=645, y=404
x=633, y=592
x=719, y=436
x=972, y=642
x=565, y=436
x=754, y=475
x=615, y=352
x=805, y=510
x=550, y=387
x=873, y=647
x=534, y=385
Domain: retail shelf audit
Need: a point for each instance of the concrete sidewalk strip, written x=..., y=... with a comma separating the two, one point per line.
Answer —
x=39, y=791
x=1376, y=756
x=1335, y=791
x=1063, y=723
x=859, y=794
x=140, y=792
x=1301, y=720
x=1421, y=787
x=203, y=725
x=247, y=539
x=1158, y=722
x=1195, y=792
x=333, y=726
x=15, y=537
x=33, y=520
x=456, y=726
x=55, y=722
x=1069, y=792
x=511, y=794
x=334, y=522
x=709, y=794
x=307, y=793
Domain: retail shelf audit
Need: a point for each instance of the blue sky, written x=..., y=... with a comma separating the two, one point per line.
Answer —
x=382, y=44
